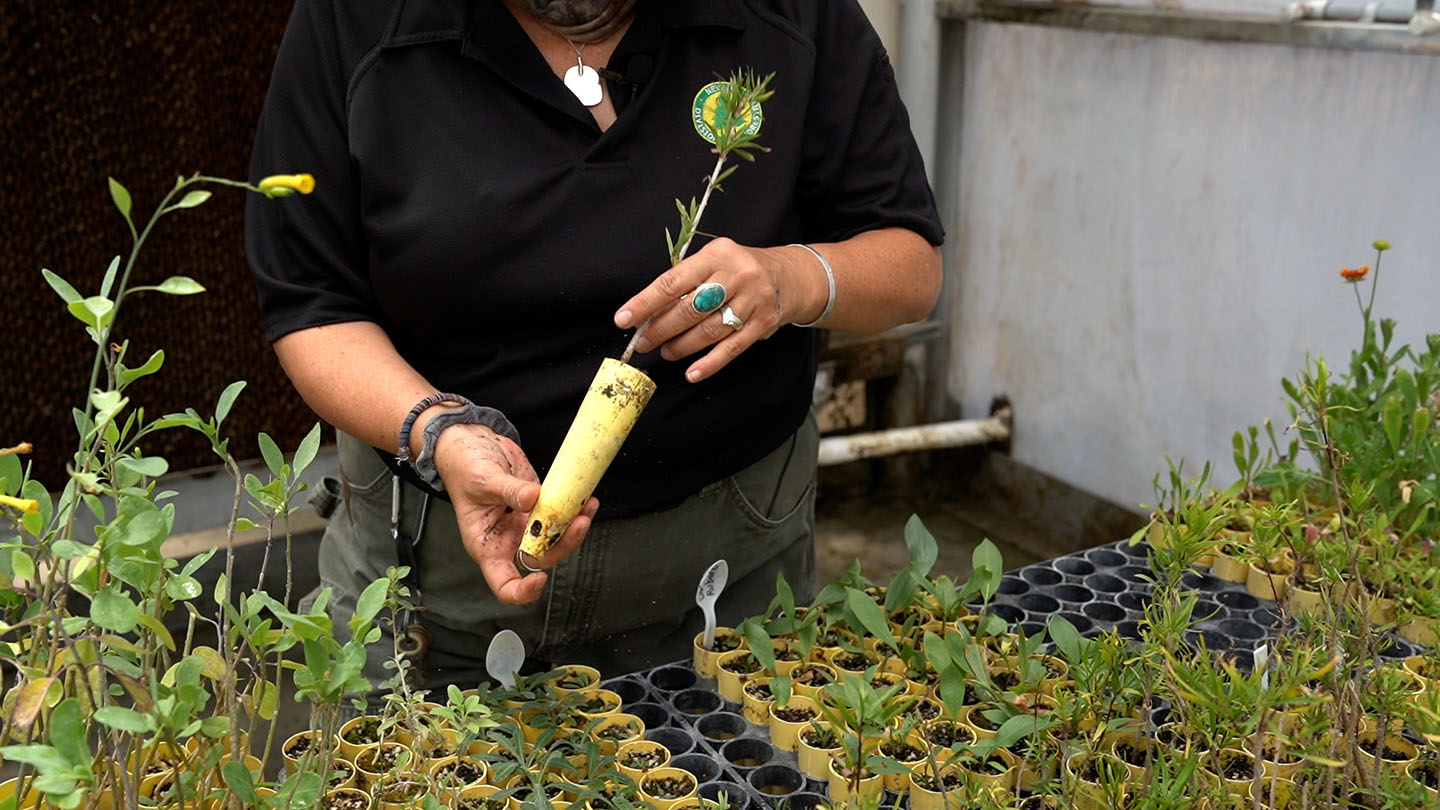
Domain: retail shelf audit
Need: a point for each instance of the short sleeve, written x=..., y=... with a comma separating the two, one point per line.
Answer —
x=862, y=169
x=308, y=252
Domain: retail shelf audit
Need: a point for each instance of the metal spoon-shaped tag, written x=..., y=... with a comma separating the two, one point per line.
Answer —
x=711, y=584
x=504, y=657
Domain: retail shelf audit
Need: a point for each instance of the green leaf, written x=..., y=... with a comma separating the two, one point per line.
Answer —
x=870, y=616
x=123, y=719
x=309, y=446
x=215, y=727
x=1066, y=637
x=21, y=565
x=759, y=643
x=93, y=311
x=67, y=293
x=179, y=285
x=245, y=524
x=182, y=589
x=113, y=610
x=227, y=400
x=1018, y=727
x=238, y=778
x=152, y=466
x=129, y=375
x=108, y=282
x=952, y=691
x=145, y=529
x=986, y=568
x=274, y=459
x=192, y=199
x=923, y=548
x=367, y=607
x=67, y=733
x=1393, y=420
x=154, y=625
x=267, y=699
x=45, y=758
x=936, y=653
x=121, y=197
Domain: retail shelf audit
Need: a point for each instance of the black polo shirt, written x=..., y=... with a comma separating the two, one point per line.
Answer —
x=470, y=206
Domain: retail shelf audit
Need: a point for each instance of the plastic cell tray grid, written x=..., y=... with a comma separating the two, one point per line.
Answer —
x=1096, y=590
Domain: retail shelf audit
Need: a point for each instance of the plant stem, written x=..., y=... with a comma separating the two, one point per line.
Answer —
x=683, y=249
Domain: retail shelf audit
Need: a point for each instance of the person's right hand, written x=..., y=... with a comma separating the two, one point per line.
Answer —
x=493, y=488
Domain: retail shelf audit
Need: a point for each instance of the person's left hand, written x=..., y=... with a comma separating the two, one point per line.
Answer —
x=765, y=288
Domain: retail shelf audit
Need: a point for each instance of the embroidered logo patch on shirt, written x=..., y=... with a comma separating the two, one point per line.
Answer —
x=710, y=115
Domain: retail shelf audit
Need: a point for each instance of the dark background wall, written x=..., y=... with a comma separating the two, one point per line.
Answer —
x=141, y=91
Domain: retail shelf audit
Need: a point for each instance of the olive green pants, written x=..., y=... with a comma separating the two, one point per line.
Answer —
x=624, y=601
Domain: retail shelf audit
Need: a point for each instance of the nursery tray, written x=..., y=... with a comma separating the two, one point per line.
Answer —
x=1096, y=590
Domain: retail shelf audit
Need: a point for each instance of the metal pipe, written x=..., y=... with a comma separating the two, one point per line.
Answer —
x=960, y=433
x=918, y=74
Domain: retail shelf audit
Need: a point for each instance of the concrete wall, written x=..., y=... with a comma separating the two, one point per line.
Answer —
x=1150, y=229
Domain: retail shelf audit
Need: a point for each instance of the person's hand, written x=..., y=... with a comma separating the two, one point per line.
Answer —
x=493, y=488
x=764, y=289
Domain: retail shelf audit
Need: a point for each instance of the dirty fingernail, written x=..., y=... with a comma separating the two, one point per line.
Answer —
x=624, y=318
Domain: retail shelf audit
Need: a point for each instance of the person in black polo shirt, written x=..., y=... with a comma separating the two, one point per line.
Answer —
x=485, y=228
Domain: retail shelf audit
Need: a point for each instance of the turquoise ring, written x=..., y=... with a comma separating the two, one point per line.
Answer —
x=708, y=297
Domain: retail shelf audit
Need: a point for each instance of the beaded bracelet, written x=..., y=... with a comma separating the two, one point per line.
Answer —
x=403, y=454
x=829, y=278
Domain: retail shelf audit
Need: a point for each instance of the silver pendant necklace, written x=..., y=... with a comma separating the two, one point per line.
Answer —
x=583, y=81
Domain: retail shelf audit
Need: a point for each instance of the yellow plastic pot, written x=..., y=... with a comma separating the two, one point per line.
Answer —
x=729, y=681
x=784, y=734
x=640, y=747
x=344, y=745
x=900, y=782
x=1406, y=749
x=633, y=728
x=450, y=791
x=648, y=783
x=814, y=762
x=350, y=791
x=756, y=708
x=869, y=791
x=587, y=676
x=811, y=690
x=612, y=404
x=1268, y=584
x=707, y=662
x=1225, y=566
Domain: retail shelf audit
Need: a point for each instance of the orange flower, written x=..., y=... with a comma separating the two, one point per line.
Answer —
x=1353, y=275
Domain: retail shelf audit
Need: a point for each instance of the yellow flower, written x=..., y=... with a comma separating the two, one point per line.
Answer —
x=27, y=505
x=23, y=447
x=1382, y=245
x=283, y=185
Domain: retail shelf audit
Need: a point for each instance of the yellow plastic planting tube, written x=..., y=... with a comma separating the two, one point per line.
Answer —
x=616, y=397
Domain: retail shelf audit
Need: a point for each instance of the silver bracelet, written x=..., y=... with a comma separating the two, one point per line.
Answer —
x=829, y=278
x=468, y=414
